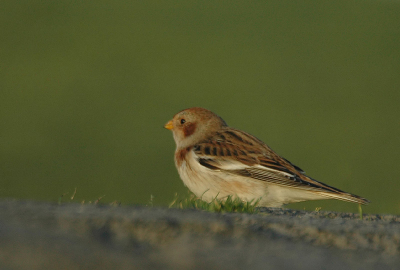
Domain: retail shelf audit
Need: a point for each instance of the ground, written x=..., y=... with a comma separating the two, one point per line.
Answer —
x=38, y=235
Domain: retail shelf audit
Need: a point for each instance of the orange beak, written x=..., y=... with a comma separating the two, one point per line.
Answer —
x=169, y=125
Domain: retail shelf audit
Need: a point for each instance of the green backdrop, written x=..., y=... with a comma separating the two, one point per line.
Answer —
x=86, y=87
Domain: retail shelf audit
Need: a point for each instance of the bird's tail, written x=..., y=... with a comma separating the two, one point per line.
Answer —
x=347, y=197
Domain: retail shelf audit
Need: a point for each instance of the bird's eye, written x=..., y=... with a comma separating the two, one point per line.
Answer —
x=183, y=121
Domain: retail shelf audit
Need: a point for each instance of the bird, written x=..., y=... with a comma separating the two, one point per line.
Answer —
x=218, y=161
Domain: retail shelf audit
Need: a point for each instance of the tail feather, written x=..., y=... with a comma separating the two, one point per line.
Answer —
x=347, y=197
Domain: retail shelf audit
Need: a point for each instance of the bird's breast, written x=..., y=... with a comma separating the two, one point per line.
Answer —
x=181, y=155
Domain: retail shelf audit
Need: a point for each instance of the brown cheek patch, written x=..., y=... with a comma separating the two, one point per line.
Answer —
x=189, y=129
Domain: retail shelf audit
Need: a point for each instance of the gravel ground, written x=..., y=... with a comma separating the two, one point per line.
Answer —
x=36, y=235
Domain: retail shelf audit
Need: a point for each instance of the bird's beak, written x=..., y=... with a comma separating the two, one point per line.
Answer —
x=169, y=125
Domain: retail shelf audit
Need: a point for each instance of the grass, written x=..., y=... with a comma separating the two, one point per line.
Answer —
x=230, y=204
x=97, y=201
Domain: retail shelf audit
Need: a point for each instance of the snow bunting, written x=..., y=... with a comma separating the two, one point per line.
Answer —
x=215, y=161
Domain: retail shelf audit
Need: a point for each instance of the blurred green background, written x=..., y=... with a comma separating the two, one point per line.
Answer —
x=86, y=87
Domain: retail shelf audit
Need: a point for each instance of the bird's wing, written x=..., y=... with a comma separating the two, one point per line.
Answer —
x=239, y=153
